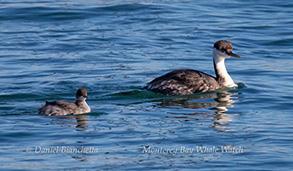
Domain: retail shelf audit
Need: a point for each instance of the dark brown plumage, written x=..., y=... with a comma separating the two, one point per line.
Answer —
x=183, y=82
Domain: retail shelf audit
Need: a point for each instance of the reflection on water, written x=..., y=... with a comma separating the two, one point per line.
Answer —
x=219, y=102
x=221, y=117
x=81, y=121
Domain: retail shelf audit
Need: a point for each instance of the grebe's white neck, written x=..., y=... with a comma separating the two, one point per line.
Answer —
x=223, y=76
x=82, y=105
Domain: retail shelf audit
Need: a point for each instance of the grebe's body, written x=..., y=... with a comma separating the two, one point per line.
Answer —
x=188, y=81
x=67, y=108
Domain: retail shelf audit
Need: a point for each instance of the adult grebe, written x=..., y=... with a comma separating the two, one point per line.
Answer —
x=66, y=108
x=188, y=81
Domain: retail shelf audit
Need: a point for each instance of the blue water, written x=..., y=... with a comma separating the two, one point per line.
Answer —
x=48, y=49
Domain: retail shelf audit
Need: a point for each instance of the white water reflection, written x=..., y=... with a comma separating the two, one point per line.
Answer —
x=219, y=102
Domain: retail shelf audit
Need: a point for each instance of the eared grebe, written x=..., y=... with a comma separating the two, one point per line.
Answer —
x=188, y=81
x=67, y=108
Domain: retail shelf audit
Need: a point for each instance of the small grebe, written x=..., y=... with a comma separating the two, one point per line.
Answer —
x=67, y=108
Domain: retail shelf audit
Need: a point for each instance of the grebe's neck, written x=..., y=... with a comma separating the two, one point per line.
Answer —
x=83, y=105
x=223, y=76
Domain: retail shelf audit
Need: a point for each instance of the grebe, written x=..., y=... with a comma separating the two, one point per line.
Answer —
x=188, y=81
x=67, y=108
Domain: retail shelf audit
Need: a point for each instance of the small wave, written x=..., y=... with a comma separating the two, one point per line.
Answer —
x=137, y=94
x=62, y=13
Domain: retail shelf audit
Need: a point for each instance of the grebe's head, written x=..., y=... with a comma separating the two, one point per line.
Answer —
x=223, y=49
x=81, y=94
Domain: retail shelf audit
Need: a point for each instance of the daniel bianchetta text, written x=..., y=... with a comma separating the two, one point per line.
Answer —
x=62, y=149
x=193, y=150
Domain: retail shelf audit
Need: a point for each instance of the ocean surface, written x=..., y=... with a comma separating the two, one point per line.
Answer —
x=48, y=49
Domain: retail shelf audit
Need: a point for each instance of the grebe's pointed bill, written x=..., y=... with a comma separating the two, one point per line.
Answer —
x=234, y=55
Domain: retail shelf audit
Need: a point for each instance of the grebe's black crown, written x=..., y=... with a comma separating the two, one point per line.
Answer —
x=81, y=92
x=225, y=47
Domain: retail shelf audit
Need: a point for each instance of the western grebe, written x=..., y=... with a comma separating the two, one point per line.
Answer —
x=66, y=108
x=188, y=81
